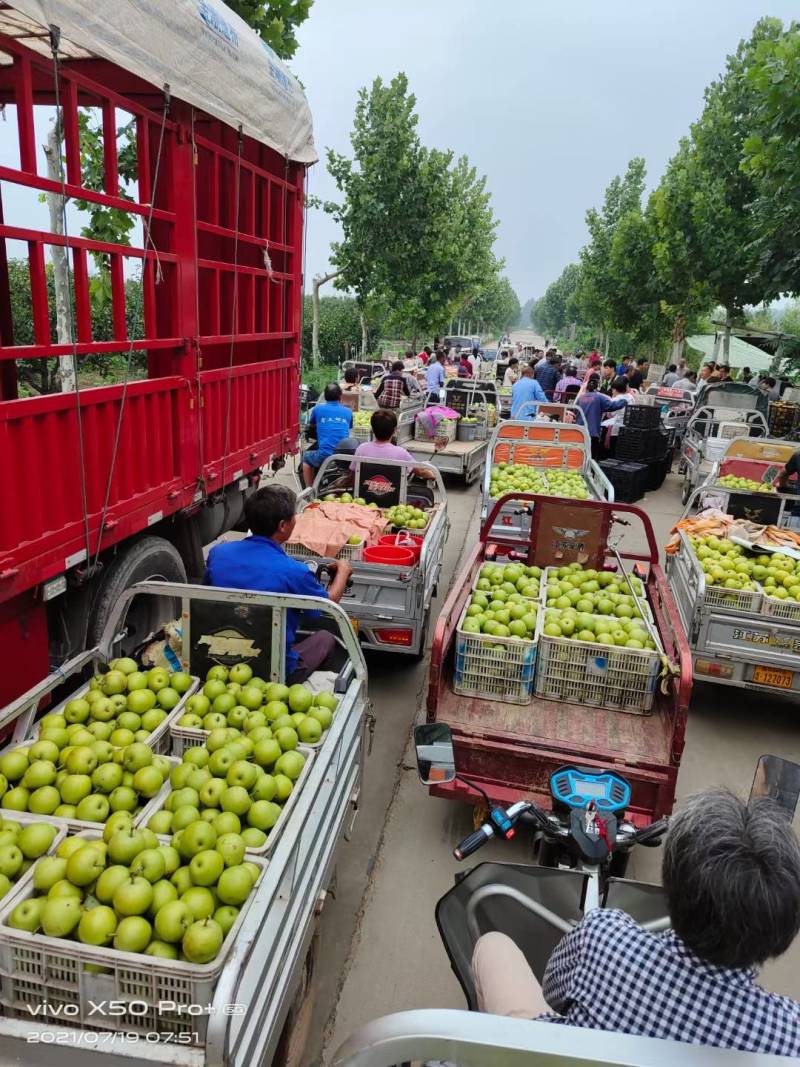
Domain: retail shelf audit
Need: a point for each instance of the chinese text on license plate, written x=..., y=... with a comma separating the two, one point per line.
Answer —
x=779, y=679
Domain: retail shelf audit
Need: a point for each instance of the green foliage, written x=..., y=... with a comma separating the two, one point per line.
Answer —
x=770, y=67
x=274, y=21
x=417, y=228
x=494, y=307
x=554, y=311
x=339, y=328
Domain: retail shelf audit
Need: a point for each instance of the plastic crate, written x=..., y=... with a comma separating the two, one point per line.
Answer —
x=496, y=668
x=158, y=740
x=445, y=432
x=641, y=445
x=298, y=551
x=628, y=479
x=732, y=600
x=158, y=802
x=779, y=609
x=56, y=976
x=551, y=572
x=602, y=676
x=361, y=433
x=643, y=416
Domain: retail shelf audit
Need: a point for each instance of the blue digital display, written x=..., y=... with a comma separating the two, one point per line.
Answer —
x=576, y=788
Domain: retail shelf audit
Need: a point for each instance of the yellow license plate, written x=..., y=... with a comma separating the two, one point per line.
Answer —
x=773, y=676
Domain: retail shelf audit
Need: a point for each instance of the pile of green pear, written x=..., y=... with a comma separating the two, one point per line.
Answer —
x=71, y=774
x=20, y=846
x=250, y=707
x=129, y=891
x=503, y=602
x=125, y=704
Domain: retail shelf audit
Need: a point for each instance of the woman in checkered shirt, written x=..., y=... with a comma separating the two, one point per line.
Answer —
x=731, y=874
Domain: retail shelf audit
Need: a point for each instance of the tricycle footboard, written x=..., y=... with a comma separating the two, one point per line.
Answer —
x=512, y=770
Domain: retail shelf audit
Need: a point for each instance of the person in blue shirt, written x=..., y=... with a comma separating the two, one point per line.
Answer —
x=435, y=375
x=524, y=391
x=329, y=423
x=549, y=374
x=594, y=406
x=259, y=562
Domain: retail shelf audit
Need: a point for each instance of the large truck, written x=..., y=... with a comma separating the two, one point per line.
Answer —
x=110, y=485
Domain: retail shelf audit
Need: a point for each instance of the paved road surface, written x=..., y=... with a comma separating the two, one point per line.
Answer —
x=380, y=948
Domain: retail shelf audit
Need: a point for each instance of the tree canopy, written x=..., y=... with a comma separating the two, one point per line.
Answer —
x=274, y=21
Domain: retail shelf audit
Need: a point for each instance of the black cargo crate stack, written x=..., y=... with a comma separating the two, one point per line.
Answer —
x=629, y=479
x=641, y=445
x=642, y=416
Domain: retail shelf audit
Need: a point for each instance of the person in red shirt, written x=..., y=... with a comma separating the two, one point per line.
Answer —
x=464, y=366
x=425, y=355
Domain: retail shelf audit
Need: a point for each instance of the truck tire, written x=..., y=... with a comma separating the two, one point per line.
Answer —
x=149, y=558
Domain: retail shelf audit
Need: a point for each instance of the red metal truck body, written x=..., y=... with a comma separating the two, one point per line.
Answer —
x=511, y=750
x=219, y=322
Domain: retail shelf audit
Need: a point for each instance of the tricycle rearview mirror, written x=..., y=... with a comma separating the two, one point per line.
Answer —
x=779, y=779
x=436, y=761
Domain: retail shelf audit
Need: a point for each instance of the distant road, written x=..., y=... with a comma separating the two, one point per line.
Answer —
x=525, y=337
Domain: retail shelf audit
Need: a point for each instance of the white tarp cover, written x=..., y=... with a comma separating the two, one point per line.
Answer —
x=742, y=354
x=206, y=54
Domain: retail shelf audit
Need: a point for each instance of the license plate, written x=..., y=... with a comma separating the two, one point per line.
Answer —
x=773, y=676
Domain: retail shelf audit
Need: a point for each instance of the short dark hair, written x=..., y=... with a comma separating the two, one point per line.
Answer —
x=691, y=375
x=593, y=382
x=267, y=508
x=610, y=363
x=427, y=349
x=672, y=368
x=351, y=375
x=745, y=370
x=441, y=354
x=641, y=361
x=620, y=384
x=383, y=424
x=731, y=873
x=513, y=362
x=333, y=391
x=770, y=382
x=397, y=365
x=409, y=354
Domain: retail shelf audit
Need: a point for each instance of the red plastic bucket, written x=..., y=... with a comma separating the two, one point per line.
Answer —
x=402, y=540
x=395, y=557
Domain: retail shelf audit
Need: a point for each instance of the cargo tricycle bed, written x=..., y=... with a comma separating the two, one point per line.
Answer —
x=510, y=748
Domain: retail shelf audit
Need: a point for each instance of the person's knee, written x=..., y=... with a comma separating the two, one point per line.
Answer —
x=489, y=947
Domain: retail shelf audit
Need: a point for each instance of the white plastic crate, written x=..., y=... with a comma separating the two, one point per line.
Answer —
x=779, y=609
x=57, y=977
x=733, y=600
x=159, y=739
x=298, y=551
x=603, y=676
x=158, y=802
x=361, y=433
x=496, y=668
x=184, y=737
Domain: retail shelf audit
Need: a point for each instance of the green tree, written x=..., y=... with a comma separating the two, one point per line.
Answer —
x=770, y=66
x=339, y=328
x=274, y=21
x=495, y=307
x=556, y=309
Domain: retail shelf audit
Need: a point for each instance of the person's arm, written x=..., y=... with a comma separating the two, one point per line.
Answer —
x=311, y=427
x=342, y=573
x=406, y=390
x=379, y=390
x=789, y=471
x=538, y=392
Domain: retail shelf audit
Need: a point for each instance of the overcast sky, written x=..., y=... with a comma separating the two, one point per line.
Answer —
x=548, y=98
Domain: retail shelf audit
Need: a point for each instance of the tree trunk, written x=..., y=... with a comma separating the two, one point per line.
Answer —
x=59, y=255
x=364, y=338
x=726, y=341
x=315, y=284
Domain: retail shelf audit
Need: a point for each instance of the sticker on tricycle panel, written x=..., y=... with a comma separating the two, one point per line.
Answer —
x=773, y=677
x=766, y=639
x=728, y=636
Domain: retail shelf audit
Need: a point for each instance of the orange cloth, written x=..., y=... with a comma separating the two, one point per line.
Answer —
x=325, y=528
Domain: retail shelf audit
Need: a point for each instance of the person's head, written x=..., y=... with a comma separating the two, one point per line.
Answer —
x=552, y=357
x=731, y=872
x=770, y=383
x=351, y=376
x=691, y=375
x=409, y=354
x=398, y=366
x=441, y=355
x=724, y=370
x=333, y=392
x=427, y=350
x=570, y=370
x=609, y=369
x=705, y=371
x=626, y=361
x=270, y=512
x=746, y=372
x=384, y=424
x=595, y=360
x=513, y=362
x=527, y=371
x=642, y=364
x=465, y=356
x=672, y=368
x=592, y=384
x=620, y=385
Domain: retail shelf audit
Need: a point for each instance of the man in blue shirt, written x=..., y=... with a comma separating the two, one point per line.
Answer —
x=549, y=374
x=329, y=423
x=435, y=375
x=524, y=391
x=259, y=562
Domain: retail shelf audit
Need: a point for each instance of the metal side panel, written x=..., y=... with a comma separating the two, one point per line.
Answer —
x=432, y=557
x=751, y=639
x=275, y=941
x=377, y=594
x=684, y=590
